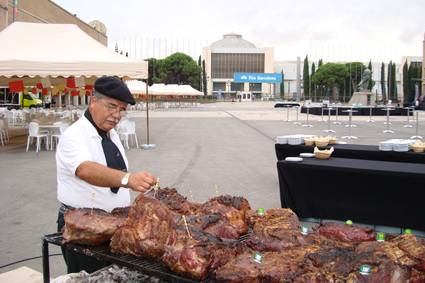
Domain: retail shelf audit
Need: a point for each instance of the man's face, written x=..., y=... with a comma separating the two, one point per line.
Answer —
x=107, y=112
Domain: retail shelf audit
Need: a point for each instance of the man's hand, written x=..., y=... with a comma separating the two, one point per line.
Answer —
x=141, y=181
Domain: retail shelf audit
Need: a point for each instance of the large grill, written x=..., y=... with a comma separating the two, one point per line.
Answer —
x=145, y=265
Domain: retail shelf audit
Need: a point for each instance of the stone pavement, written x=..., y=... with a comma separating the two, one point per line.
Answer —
x=214, y=149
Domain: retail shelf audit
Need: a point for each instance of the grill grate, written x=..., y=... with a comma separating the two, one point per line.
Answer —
x=145, y=265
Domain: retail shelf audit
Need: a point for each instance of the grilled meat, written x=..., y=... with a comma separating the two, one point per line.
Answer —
x=91, y=226
x=346, y=233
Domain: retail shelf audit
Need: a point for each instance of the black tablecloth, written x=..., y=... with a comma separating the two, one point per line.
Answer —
x=361, y=111
x=356, y=151
x=286, y=104
x=365, y=191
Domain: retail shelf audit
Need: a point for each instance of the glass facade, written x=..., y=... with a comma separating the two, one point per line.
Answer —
x=223, y=65
x=255, y=87
x=219, y=86
x=236, y=87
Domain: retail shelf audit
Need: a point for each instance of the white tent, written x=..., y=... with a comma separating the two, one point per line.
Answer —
x=60, y=50
x=136, y=87
x=173, y=89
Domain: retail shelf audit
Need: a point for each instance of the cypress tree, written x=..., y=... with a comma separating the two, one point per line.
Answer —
x=204, y=79
x=383, y=89
x=406, y=98
x=306, y=78
x=410, y=83
x=313, y=86
x=389, y=76
x=394, y=82
x=200, y=73
x=320, y=63
x=282, y=86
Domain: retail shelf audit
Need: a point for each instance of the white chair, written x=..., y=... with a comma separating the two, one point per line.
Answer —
x=54, y=138
x=4, y=132
x=127, y=130
x=33, y=132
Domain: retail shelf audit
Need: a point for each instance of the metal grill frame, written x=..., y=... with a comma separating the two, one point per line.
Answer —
x=145, y=265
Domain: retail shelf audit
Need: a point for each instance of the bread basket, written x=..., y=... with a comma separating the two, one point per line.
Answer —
x=323, y=154
x=309, y=141
x=321, y=141
x=332, y=140
x=418, y=146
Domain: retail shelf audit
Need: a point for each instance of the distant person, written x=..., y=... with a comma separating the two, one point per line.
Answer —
x=92, y=169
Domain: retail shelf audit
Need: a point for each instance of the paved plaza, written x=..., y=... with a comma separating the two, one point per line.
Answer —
x=214, y=149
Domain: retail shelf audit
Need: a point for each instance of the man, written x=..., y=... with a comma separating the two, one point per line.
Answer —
x=92, y=169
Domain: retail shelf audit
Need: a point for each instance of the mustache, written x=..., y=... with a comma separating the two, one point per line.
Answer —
x=113, y=120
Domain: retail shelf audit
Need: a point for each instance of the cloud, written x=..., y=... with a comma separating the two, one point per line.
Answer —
x=338, y=29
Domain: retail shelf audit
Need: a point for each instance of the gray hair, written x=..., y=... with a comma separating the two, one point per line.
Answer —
x=98, y=95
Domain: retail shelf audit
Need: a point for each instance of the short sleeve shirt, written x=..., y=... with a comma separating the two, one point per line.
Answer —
x=81, y=142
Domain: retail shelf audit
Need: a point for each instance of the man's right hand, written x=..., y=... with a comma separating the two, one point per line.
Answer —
x=141, y=181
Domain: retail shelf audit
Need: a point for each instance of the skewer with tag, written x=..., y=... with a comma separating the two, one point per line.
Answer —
x=155, y=188
x=217, y=192
x=187, y=227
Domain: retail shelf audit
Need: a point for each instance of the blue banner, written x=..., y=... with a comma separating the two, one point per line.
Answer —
x=271, y=78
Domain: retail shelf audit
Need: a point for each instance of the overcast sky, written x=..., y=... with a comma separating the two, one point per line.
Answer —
x=334, y=30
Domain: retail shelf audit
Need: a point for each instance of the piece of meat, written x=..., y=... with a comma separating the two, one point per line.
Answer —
x=232, y=209
x=192, y=252
x=281, y=266
x=343, y=265
x=145, y=230
x=175, y=201
x=215, y=224
x=404, y=250
x=90, y=226
x=346, y=233
x=278, y=229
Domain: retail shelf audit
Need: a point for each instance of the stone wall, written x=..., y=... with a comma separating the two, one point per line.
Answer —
x=44, y=11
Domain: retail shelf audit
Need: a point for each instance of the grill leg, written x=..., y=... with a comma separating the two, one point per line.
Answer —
x=46, y=267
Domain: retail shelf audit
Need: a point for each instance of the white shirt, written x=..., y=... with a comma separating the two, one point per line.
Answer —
x=81, y=142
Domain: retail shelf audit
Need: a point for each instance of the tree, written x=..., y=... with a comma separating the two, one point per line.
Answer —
x=389, y=81
x=179, y=68
x=313, y=86
x=320, y=63
x=204, y=79
x=406, y=93
x=282, y=86
x=383, y=89
x=306, y=78
x=154, y=71
x=394, y=82
x=200, y=73
x=331, y=75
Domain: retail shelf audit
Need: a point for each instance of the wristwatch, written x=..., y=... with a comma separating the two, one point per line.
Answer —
x=124, y=180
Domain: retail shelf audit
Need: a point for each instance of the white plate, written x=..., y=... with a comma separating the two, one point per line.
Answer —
x=307, y=154
x=294, y=159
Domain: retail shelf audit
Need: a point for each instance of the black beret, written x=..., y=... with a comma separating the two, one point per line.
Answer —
x=115, y=88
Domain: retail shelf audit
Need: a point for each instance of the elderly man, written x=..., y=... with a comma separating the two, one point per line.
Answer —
x=92, y=169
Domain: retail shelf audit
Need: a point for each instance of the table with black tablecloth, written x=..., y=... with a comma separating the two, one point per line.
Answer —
x=356, y=151
x=365, y=191
x=361, y=111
